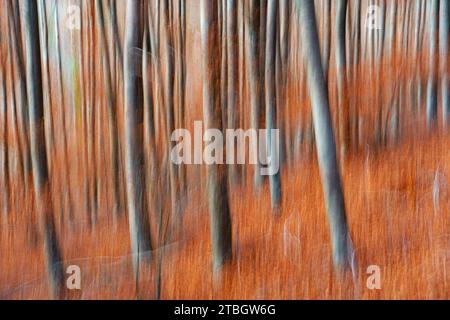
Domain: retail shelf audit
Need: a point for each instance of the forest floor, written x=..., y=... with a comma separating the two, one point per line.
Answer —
x=397, y=203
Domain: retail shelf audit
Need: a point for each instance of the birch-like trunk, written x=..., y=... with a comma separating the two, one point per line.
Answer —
x=326, y=146
x=134, y=149
x=271, y=102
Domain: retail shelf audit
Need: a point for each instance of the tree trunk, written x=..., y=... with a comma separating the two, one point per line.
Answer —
x=4, y=169
x=38, y=149
x=444, y=27
x=254, y=76
x=23, y=104
x=216, y=174
x=432, y=72
x=232, y=73
x=112, y=117
x=169, y=76
x=271, y=103
x=341, y=74
x=326, y=147
x=133, y=117
x=326, y=37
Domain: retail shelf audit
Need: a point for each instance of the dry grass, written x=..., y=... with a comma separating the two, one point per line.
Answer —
x=397, y=221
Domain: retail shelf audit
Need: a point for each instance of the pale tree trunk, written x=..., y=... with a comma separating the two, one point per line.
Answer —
x=416, y=77
x=181, y=81
x=149, y=125
x=133, y=117
x=154, y=182
x=262, y=50
x=271, y=102
x=62, y=115
x=380, y=75
x=326, y=37
x=223, y=61
x=444, y=27
x=232, y=73
x=341, y=74
x=169, y=76
x=326, y=147
x=112, y=117
x=38, y=149
x=252, y=62
x=217, y=190
x=432, y=56
x=4, y=168
x=283, y=41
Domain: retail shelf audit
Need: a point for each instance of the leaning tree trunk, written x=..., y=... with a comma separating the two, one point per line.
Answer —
x=432, y=72
x=219, y=210
x=326, y=147
x=444, y=20
x=38, y=149
x=271, y=107
x=134, y=149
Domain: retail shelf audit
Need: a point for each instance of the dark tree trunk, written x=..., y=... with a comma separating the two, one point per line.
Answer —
x=38, y=149
x=217, y=190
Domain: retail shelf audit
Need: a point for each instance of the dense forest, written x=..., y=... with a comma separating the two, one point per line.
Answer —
x=116, y=117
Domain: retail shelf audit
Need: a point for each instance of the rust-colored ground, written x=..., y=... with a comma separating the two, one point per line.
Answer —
x=398, y=212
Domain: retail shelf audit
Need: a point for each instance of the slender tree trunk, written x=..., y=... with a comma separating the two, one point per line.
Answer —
x=232, y=58
x=4, y=169
x=341, y=74
x=444, y=26
x=116, y=33
x=62, y=115
x=181, y=80
x=112, y=114
x=327, y=37
x=38, y=149
x=432, y=56
x=149, y=116
x=254, y=76
x=283, y=52
x=217, y=190
x=223, y=61
x=326, y=147
x=14, y=106
x=133, y=117
x=23, y=103
x=271, y=102
x=169, y=76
